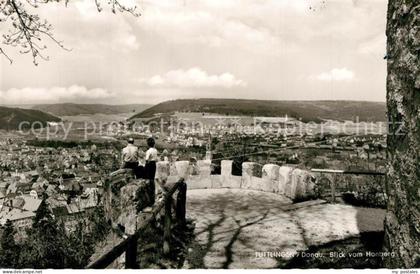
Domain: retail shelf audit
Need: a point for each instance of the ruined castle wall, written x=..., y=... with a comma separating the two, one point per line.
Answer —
x=124, y=193
x=294, y=183
x=402, y=224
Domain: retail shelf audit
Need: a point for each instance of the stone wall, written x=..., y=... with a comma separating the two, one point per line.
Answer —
x=402, y=224
x=124, y=194
x=296, y=184
x=121, y=201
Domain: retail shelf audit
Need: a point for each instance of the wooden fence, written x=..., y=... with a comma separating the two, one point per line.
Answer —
x=129, y=245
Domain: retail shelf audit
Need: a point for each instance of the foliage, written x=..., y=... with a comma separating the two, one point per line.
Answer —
x=293, y=161
x=315, y=163
x=45, y=246
x=368, y=191
x=49, y=245
x=79, y=248
x=9, y=249
x=71, y=109
x=71, y=144
x=100, y=225
x=307, y=110
x=11, y=118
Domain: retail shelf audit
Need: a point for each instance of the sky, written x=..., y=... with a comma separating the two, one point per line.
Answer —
x=251, y=49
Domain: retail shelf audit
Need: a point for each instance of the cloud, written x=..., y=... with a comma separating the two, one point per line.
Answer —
x=95, y=30
x=217, y=25
x=268, y=49
x=255, y=26
x=260, y=26
x=193, y=78
x=53, y=95
x=374, y=46
x=336, y=74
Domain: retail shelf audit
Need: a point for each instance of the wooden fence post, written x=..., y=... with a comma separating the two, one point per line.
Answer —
x=131, y=254
x=181, y=201
x=333, y=188
x=167, y=225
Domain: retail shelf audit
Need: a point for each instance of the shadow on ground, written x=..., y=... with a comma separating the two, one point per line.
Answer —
x=233, y=226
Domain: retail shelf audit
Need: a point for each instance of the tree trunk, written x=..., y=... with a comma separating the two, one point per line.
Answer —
x=402, y=224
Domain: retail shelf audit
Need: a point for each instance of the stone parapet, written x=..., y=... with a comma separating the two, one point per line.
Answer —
x=296, y=184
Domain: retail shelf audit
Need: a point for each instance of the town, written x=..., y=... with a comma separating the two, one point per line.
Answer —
x=72, y=174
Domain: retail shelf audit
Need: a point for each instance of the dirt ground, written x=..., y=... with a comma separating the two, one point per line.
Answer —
x=253, y=229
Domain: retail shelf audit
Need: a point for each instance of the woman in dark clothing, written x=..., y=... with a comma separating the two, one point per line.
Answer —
x=150, y=167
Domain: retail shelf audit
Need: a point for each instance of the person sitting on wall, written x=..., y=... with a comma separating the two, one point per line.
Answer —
x=131, y=157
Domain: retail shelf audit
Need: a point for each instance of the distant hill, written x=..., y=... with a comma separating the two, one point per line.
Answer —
x=306, y=110
x=10, y=118
x=70, y=109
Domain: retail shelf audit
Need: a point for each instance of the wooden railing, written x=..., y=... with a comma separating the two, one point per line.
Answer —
x=339, y=171
x=336, y=172
x=129, y=245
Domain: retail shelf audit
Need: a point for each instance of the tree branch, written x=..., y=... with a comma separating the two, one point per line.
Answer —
x=5, y=55
x=28, y=30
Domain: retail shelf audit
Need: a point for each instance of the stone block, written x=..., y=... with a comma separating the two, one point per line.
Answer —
x=247, y=174
x=199, y=182
x=200, y=179
x=257, y=183
x=162, y=170
x=231, y=181
x=226, y=166
x=270, y=178
x=204, y=167
x=216, y=181
x=227, y=180
x=172, y=170
x=298, y=182
x=182, y=169
x=286, y=181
